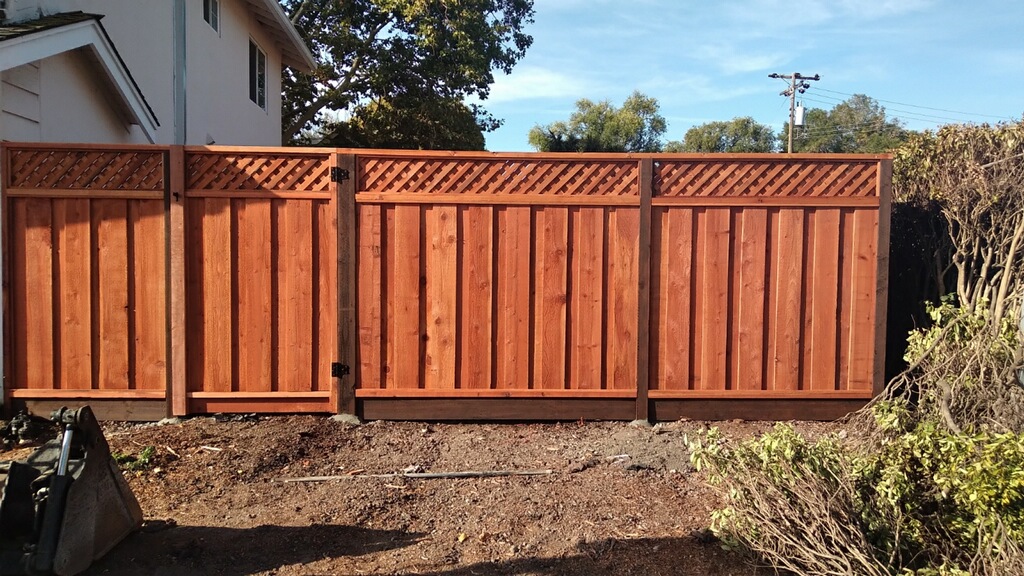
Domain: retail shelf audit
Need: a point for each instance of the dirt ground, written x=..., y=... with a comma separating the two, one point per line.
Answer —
x=619, y=500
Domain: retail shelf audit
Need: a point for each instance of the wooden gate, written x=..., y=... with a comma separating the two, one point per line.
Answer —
x=261, y=275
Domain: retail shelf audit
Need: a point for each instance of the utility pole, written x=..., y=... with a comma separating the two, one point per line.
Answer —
x=797, y=83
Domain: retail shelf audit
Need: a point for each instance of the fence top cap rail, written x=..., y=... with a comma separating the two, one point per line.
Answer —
x=278, y=150
x=478, y=155
x=83, y=147
x=486, y=155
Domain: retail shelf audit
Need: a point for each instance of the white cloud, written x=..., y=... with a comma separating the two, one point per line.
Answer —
x=531, y=83
x=730, y=61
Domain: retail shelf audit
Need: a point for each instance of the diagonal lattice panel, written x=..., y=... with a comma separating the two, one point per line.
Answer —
x=780, y=179
x=258, y=172
x=485, y=176
x=86, y=169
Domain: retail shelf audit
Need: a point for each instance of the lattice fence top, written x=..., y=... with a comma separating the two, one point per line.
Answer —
x=86, y=169
x=219, y=171
x=498, y=176
x=765, y=178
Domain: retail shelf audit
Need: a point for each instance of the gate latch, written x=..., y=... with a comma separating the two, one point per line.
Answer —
x=339, y=370
x=339, y=174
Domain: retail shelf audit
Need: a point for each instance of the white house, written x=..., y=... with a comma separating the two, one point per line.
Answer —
x=145, y=71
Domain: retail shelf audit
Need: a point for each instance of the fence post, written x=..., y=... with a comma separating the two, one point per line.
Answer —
x=643, y=332
x=176, y=384
x=882, y=275
x=347, y=352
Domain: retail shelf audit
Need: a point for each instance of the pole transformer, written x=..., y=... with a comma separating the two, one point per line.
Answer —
x=797, y=83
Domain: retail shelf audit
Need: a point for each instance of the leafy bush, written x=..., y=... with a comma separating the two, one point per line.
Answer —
x=928, y=501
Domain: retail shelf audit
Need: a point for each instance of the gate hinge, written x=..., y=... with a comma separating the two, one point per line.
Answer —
x=339, y=370
x=339, y=174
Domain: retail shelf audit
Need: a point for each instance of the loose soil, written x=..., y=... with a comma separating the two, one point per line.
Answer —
x=620, y=500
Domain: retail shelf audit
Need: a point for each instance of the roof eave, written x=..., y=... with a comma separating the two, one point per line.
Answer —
x=294, y=51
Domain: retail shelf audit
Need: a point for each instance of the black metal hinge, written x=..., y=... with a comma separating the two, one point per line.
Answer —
x=338, y=174
x=339, y=370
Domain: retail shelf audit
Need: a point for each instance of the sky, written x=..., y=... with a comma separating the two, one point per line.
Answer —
x=928, y=62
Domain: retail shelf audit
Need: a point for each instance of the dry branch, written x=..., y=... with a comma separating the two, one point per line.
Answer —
x=422, y=475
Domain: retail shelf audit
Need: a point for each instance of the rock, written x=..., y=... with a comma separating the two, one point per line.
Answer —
x=350, y=419
x=169, y=422
x=640, y=424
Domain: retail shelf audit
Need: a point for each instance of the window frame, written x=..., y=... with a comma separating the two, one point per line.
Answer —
x=257, y=74
x=211, y=13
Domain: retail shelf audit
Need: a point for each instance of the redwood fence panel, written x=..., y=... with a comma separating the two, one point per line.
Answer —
x=84, y=241
x=765, y=280
x=453, y=285
x=481, y=277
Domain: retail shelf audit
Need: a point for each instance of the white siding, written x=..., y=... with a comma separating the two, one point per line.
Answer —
x=74, y=104
x=217, y=104
x=19, y=103
x=218, y=79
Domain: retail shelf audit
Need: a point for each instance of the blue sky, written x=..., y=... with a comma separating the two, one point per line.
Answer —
x=929, y=62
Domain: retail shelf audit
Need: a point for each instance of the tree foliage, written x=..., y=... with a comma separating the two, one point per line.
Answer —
x=858, y=125
x=976, y=175
x=410, y=121
x=741, y=134
x=602, y=127
x=388, y=51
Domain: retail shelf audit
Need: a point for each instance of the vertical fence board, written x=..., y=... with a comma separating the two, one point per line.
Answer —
x=110, y=226
x=72, y=222
x=477, y=292
x=294, y=270
x=514, y=284
x=863, y=309
x=788, y=300
x=749, y=352
x=847, y=267
x=404, y=329
x=824, y=301
x=215, y=297
x=32, y=293
x=672, y=305
x=697, y=288
x=715, y=303
x=550, y=303
x=586, y=352
x=371, y=295
x=326, y=306
x=623, y=232
x=148, y=285
x=442, y=276
x=255, y=309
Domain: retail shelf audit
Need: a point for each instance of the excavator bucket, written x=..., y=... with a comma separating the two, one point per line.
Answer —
x=67, y=504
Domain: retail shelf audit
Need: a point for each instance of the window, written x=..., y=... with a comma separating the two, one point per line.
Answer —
x=257, y=75
x=211, y=13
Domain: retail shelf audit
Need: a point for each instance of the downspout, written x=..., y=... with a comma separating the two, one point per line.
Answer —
x=179, y=72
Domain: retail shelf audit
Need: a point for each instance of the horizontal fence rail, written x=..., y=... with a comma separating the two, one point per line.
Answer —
x=426, y=285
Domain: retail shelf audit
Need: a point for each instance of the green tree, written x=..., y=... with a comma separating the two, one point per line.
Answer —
x=737, y=135
x=601, y=127
x=858, y=124
x=411, y=121
x=376, y=51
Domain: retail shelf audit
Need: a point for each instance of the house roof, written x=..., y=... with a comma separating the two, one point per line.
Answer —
x=55, y=34
x=294, y=50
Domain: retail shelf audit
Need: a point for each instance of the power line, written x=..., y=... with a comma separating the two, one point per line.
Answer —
x=903, y=113
x=924, y=107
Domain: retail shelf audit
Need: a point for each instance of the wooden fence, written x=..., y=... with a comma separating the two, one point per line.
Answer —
x=443, y=285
